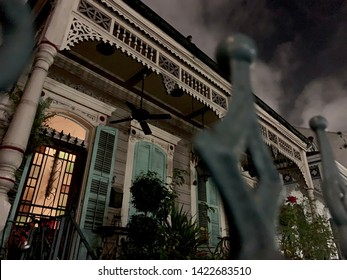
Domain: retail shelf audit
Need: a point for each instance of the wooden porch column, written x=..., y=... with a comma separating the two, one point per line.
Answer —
x=16, y=138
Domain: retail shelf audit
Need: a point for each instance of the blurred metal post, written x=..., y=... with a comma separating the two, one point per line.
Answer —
x=254, y=211
x=16, y=42
x=333, y=188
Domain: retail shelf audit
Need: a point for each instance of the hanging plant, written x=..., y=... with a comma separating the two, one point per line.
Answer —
x=151, y=195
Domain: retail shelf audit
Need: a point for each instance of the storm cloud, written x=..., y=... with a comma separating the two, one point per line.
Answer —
x=302, y=45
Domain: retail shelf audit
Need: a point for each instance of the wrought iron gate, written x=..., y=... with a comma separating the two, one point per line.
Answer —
x=50, y=191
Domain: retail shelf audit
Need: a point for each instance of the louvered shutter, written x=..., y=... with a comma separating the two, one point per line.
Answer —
x=148, y=157
x=202, y=205
x=213, y=213
x=100, y=178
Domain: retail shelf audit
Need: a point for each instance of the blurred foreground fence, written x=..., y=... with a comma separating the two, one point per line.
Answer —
x=16, y=40
x=252, y=213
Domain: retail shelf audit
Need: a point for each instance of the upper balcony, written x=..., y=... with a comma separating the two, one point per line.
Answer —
x=115, y=41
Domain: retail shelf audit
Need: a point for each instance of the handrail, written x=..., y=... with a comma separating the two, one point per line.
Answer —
x=83, y=238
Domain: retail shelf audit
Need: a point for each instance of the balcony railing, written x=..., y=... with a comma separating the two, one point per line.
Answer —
x=57, y=238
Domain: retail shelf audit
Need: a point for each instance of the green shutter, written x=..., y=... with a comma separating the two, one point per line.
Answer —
x=99, y=178
x=213, y=213
x=148, y=157
x=202, y=205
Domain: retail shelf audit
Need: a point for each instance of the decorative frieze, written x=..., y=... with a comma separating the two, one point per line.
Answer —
x=263, y=131
x=314, y=171
x=297, y=154
x=272, y=137
x=169, y=84
x=219, y=100
x=80, y=32
x=277, y=142
x=285, y=146
x=94, y=14
x=274, y=151
x=168, y=65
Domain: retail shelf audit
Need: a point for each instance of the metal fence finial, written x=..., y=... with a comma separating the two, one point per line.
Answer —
x=254, y=211
x=333, y=188
x=16, y=42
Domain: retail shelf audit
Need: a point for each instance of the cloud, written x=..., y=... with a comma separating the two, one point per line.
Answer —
x=266, y=83
x=302, y=44
x=326, y=97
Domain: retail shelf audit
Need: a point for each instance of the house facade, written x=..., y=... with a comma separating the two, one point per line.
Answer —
x=127, y=94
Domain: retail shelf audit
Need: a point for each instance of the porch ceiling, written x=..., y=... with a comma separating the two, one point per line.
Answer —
x=128, y=72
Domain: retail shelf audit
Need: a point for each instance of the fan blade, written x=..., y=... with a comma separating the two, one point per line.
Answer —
x=159, y=116
x=145, y=128
x=131, y=106
x=121, y=120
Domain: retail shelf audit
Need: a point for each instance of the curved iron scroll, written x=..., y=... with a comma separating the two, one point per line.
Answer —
x=16, y=41
x=333, y=188
x=253, y=211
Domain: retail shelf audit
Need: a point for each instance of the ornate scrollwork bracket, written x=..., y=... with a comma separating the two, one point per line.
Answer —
x=253, y=211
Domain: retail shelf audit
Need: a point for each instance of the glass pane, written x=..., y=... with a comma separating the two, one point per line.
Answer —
x=69, y=167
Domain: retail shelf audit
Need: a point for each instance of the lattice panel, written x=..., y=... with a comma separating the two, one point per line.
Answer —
x=95, y=15
x=219, y=100
x=297, y=154
x=168, y=65
x=314, y=171
x=273, y=137
x=285, y=146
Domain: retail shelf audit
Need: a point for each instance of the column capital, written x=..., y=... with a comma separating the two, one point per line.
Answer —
x=17, y=135
x=45, y=55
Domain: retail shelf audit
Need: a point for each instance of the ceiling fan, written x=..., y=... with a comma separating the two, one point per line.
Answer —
x=142, y=115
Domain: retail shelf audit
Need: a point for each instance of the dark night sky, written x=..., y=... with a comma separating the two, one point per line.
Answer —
x=301, y=70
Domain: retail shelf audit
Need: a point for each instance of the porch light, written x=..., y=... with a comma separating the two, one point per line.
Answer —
x=105, y=49
x=176, y=92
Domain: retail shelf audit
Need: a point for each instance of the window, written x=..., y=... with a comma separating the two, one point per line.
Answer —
x=147, y=152
x=209, y=211
x=148, y=157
